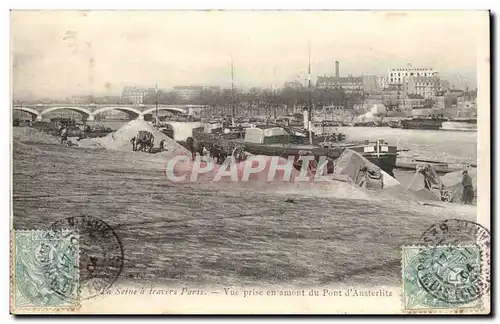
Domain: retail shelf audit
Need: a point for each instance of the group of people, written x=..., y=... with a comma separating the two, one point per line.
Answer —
x=146, y=145
x=215, y=151
x=434, y=184
x=72, y=131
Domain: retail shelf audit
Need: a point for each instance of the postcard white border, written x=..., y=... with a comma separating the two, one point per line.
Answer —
x=256, y=4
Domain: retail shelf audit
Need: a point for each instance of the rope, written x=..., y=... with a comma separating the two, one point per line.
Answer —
x=413, y=179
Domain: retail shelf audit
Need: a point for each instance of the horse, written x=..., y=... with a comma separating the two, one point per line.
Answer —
x=144, y=140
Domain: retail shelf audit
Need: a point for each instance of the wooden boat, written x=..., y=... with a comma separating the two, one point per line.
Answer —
x=278, y=141
x=364, y=124
x=439, y=166
x=394, y=123
x=422, y=122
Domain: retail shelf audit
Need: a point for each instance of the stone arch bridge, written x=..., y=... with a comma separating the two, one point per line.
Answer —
x=89, y=112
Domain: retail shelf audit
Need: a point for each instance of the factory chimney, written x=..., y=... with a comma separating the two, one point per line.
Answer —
x=337, y=69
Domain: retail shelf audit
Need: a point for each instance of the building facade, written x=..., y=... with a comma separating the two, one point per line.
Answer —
x=383, y=83
x=293, y=84
x=371, y=100
x=440, y=102
x=349, y=84
x=411, y=101
x=464, y=103
x=399, y=76
x=392, y=99
x=187, y=92
x=191, y=92
x=134, y=95
x=370, y=83
x=426, y=86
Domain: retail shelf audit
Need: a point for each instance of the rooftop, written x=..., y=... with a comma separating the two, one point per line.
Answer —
x=415, y=96
x=422, y=78
x=339, y=79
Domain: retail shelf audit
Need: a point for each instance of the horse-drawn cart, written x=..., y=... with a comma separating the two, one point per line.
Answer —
x=218, y=143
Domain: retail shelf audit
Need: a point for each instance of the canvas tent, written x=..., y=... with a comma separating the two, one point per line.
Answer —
x=451, y=184
x=357, y=169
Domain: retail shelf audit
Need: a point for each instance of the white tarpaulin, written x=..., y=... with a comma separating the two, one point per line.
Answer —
x=362, y=172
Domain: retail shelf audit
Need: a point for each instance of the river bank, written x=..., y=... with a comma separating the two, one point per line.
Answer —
x=206, y=233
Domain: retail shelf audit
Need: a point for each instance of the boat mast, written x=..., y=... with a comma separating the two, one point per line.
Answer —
x=273, y=88
x=310, y=100
x=309, y=82
x=232, y=91
x=156, y=94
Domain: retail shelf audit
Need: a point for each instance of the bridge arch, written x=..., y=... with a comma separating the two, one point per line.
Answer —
x=83, y=111
x=150, y=111
x=176, y=109
x=34, y=113
x=132, y=112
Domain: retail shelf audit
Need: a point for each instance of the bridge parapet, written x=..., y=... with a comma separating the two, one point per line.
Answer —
x=89, y=112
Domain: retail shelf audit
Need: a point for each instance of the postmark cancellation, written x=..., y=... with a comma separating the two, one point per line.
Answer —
x=44, y=271
x=443, y=278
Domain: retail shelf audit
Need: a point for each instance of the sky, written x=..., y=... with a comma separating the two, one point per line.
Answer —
x=57, y=54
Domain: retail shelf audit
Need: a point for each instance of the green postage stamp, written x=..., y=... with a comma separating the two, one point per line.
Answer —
x=442, y=277
x=44, y=271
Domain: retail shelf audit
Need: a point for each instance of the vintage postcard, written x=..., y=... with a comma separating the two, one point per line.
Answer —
x=250, y=162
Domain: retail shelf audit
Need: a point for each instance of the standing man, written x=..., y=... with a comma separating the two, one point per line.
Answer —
x=468, y=191
x=132, y=141
x=361, y=177
x=64, y=135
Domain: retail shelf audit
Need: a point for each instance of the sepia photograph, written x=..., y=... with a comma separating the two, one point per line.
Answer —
x=250, y=162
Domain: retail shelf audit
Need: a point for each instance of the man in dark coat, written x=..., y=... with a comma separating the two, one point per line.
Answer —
x=64, y=135
x=132, y=141
x=468, y=191
x=199, y=148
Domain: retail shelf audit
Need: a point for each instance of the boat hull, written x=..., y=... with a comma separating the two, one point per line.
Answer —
x=430, y=124
x=385, y=157
x=386, y=161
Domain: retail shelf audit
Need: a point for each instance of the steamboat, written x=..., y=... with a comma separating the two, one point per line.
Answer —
x=421, y=122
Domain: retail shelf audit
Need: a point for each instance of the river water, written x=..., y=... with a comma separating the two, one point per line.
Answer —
x=438, y=145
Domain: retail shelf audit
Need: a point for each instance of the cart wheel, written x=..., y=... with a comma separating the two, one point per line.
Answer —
x=238, y=153
x=446, y=196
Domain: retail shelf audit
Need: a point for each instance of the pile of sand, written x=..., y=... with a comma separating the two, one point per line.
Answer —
x=120, y=140
x=279, y=175
x=91, y=143
x=453, y=183
x=25, y=149
x=337, y=187
x=350, y=163
x=32, y=135
x=455, y=178
x=401, y=193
